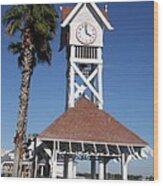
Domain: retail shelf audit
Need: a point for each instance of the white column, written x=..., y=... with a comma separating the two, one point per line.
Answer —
x=54, y=161
x=93, y=168
x=124, y=167
x=70, y=167
x=100, y=87
x=74, y=169
x=71, y=79
x=42, y=170
x=101, y=169
x=35, y=170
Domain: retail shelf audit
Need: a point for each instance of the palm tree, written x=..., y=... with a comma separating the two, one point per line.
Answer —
x=36, y=25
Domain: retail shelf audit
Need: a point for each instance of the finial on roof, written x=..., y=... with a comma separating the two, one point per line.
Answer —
x=106, y=8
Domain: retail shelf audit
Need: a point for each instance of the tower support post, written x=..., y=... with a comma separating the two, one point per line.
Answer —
x=100, y=103
x=74, y=169
x=70, y=168
x=54, y=161
x=124, y=167
x=101, y=169
x=71, y=79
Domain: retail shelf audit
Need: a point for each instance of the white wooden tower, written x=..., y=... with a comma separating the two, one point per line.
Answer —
x=83, y=29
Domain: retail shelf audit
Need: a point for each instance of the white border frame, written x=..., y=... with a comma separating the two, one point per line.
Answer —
x=42, y=182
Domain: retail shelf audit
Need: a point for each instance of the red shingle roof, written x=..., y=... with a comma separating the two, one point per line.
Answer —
x=85, y=122
x=67, y=9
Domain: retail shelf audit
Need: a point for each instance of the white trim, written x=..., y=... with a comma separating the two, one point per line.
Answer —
x=11, y=162
x=107, y=149
x=119, y=151
x=104, y=142
x=105, y=21
x=143, y=154
x=87, y=61
x=90, y=154
x=71, y=14
x=82, y=144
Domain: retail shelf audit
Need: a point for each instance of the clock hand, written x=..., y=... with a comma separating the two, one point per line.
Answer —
x=89, y=34
x=86, y=30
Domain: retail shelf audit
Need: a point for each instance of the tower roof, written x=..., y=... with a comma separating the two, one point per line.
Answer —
x=67, y=9
x=85, y=122
x=68, y=14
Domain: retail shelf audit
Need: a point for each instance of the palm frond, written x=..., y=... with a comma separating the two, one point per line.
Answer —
x=14, y=18
x=15, y=47
x=41, y=19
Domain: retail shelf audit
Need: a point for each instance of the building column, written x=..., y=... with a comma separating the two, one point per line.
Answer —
x=101, y=169
x=70, y=167
x=69, y=170
x=54, y=161
x=124, y=167
x=74, y=169
x=42, y=171
x=93, y=167
x=35, y=167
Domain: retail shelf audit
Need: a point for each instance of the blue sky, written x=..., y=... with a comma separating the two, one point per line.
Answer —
x=128, y=79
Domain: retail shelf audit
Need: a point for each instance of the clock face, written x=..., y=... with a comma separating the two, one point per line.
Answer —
x=86, y=33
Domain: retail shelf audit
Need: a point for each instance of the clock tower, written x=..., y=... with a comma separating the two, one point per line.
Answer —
x=82, y=34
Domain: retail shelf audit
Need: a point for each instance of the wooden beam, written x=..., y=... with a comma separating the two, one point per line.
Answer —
x=86, y=82
x=82, y=88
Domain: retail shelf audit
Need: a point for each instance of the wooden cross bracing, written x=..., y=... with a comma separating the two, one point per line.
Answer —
x=91, y=80
x=76, y=90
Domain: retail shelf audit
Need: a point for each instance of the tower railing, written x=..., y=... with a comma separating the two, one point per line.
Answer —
x=86, y=52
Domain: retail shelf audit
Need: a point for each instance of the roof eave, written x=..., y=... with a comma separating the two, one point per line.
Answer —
x=43, y=138
x=71, y=14
x=103, y=18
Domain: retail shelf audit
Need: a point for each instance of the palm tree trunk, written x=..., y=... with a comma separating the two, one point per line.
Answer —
x=27, y=63
x=20, y=138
